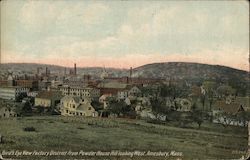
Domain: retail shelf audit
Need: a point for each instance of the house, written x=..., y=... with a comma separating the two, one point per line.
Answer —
x=226, y=113
x=180, y=104
x=7, y=112
x=145, y=101
x=130, y=91
x=134, y=92
x=127, y=101
x=122, y=94
x=170, y=103
x=143, y=108
x=48, y=98
x=104, y=100
x=76, y=106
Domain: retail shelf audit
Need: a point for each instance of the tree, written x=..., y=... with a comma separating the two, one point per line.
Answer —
x=240, y=85
x=159, y=108
x=225, y=90
x=209, y=87
x=23, y=109
x=197, y=115
x=170, y=91
x=185, y=118
x=20, y=97
x=40, y=109
x=119, y=108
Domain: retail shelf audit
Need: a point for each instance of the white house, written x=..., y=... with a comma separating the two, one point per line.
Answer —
x=76, y=106
x=6, y=112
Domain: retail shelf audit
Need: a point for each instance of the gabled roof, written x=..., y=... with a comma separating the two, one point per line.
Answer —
x=244, y=101
x=84, y=107
x=232, y=108
x=49, y=95
x=115, y=85
x=70, y=97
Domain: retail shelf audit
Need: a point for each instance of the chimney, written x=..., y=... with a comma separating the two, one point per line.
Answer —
x=130, y=74
x=46, y=71
x=75, y=69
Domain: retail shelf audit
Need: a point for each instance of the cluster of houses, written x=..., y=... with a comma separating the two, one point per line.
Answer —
x=72, y=95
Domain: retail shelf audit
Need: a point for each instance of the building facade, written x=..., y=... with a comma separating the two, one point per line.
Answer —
x=48, y=98
x=11, y=93
x=80, y=91
x=32, y=84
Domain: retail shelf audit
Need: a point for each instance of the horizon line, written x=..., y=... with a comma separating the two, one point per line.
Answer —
x=127, y=68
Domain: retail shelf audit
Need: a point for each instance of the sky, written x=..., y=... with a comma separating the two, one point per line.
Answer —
x=125, y=34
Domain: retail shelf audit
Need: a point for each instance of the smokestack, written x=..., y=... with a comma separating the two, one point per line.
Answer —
x=46, y=71
x=130, y=74
x=75, y=69
x=65, y=71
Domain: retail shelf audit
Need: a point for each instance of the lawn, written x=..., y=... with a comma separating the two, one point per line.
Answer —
x=211, y=141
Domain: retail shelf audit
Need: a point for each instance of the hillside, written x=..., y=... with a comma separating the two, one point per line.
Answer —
x=182, y=70
x=60, y=133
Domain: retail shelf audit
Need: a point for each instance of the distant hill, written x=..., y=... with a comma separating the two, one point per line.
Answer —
x=175, y=70
x=183, y=70
x=30, y=68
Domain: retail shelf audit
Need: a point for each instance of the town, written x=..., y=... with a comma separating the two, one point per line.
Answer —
x=157, y=100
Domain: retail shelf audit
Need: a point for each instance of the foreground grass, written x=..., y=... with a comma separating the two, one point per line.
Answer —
x=94, y=134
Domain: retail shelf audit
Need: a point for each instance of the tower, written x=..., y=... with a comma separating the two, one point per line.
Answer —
x=130, y=74
x=75, y=69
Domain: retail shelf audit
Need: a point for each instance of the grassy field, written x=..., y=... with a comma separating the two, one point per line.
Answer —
x=211, y=141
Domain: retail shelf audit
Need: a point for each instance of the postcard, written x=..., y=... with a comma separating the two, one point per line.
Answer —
x=124, y=80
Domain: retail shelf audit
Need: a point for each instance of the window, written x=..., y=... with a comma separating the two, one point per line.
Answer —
x=89, y=108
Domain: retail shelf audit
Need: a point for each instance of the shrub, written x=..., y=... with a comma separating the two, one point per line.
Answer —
x=29, y=129
x=81, y=128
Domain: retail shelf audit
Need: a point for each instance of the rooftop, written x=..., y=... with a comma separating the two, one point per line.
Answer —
x=49, y=94
x=232, y=108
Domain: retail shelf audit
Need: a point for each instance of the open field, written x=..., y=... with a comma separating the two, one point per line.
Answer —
x=59, y=133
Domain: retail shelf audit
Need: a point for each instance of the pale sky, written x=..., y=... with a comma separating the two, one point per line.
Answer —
x=125, y=33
